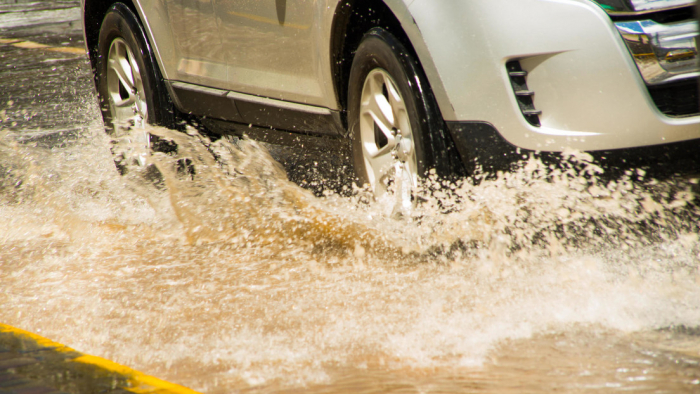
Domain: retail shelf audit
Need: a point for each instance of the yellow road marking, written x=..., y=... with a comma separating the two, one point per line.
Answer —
x=29, y=45
x=262, y=19
x=73, y=50
x=36, y=45
x=138, y=382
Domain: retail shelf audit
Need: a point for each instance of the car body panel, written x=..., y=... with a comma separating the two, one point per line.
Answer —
x=199, y=49
x=271, y=48
x=585, y=82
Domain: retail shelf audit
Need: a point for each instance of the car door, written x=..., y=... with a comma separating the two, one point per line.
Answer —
x=199, y=56
x=270, y=48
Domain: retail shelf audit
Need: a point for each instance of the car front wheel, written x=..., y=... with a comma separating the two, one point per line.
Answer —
x=393, y=118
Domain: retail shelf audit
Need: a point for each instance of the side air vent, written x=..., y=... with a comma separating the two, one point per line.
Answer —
x=677, y=99
x=523, y=95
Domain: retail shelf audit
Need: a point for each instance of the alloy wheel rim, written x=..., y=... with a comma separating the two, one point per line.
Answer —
x=125, y=86
x=127, y=101
x=385, y=132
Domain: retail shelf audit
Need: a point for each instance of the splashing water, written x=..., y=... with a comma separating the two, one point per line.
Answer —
x=209, y=268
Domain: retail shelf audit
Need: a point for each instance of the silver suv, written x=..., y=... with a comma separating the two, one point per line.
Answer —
x=414, y=84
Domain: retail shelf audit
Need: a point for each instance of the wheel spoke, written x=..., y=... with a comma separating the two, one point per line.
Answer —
x=377, y=106
x=123, y=73
x=411, y=167
x=375, y=151
x=137, y=91
x=136, y=74
x=378, y=165
x=400, y=113
x=122, y=113
x=403, y=123
x=378, y=112
x=126, y=103
x=383, y=109
x=394, y=97
x=382, y=105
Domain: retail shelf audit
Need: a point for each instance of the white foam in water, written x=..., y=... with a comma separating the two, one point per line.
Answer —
x=230, y=276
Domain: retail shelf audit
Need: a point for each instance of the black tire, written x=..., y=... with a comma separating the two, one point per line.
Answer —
x=120, y=22
x=379, y=49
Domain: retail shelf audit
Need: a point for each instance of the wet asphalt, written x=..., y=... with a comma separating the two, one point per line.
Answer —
x=45, y=78
x=26, y=367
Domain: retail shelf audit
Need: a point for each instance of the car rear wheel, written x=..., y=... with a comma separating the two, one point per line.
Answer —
x=392, y=115
x=130, y=88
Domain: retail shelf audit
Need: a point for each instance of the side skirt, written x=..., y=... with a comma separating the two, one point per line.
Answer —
x=211, y=103
x=277, y=137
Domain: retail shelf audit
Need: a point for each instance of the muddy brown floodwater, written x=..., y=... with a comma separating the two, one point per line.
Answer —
x=209, y=268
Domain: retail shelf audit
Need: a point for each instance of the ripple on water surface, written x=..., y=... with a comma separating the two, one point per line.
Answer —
x=209, y=268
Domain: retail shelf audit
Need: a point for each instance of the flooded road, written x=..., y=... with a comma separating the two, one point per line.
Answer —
x=209, y=268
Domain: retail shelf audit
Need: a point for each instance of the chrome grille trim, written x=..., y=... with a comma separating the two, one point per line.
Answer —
x=641, y=7
x=662, y=52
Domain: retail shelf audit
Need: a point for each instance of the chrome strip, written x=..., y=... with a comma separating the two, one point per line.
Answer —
x=640, y=7
x=663, y=52
x=236, y=96
x=201, y=89
x=310, y=109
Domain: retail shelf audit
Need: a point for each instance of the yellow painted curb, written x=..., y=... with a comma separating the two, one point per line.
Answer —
x=137, y=382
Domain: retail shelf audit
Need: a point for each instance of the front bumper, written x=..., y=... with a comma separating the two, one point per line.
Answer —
x=579, y=69
x=482, y=149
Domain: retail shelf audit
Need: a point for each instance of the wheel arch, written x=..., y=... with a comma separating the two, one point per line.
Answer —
x=94, y=12
x=353, y=18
